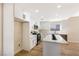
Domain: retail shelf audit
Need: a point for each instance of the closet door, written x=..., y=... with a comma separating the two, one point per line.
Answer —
x=18, y=37
x=0, y=29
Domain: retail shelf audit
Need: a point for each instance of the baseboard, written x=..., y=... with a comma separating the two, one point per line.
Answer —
x=20, y=51
x=73, y=41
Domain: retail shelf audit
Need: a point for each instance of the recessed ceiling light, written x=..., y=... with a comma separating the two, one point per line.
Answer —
x=59, y=6
x=36, y=10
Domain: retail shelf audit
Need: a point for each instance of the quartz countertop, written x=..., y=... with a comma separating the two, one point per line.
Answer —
x=48, y=38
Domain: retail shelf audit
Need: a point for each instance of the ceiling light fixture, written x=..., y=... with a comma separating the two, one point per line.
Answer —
x=59, y=6
x=36, y=10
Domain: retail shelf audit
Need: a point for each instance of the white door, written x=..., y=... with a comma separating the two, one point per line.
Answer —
x=17, y=36
x=26, y=40
x=0, y=29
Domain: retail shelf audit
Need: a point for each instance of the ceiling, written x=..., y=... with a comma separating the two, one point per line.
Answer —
x=48, y=11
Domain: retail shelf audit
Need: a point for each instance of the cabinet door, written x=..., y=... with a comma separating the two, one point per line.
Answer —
x=45, y=25
x=17, y=36
x=26, y=38
x=34, y=40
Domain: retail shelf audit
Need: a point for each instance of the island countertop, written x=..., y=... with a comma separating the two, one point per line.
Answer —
x=60, y=39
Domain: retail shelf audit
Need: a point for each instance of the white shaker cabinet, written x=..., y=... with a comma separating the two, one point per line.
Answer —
x=33, y=40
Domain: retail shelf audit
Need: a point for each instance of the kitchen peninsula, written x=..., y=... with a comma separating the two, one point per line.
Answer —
x=52, y=47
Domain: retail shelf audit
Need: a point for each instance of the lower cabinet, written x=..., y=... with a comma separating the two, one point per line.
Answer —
x=33, y=40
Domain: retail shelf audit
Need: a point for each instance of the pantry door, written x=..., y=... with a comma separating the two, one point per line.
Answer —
x=18, y=36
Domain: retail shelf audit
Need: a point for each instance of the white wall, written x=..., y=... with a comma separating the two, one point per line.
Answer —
x=8, y=30
x=45, y=27
x=63, y=27
x=73, y=29
x=1, y=29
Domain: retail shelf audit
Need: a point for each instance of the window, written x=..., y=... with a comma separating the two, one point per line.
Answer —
x=55, y=27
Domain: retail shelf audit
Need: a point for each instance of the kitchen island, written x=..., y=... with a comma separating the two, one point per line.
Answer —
x=52, y=47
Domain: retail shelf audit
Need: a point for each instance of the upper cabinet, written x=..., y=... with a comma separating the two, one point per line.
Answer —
x=44, y=25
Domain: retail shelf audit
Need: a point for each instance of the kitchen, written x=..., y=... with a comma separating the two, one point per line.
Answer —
x=34, y=28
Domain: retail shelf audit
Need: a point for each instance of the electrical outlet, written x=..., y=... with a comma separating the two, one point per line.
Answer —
x=19, y=45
